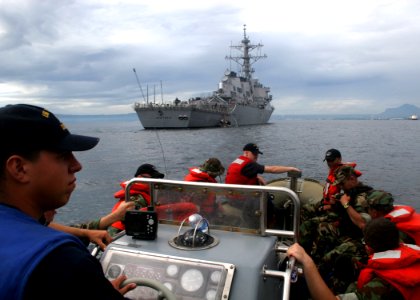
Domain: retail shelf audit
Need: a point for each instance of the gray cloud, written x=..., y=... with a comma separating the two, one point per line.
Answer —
x=77, y=56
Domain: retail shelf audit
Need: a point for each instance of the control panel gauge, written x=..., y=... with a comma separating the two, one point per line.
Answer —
x=172, y=270
x=192, y=280
x=215, y=276
x=211, y=295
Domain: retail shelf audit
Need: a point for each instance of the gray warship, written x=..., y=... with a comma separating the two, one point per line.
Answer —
x=240, y=100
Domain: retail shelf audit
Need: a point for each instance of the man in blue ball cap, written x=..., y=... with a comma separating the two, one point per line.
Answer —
x=38, y=175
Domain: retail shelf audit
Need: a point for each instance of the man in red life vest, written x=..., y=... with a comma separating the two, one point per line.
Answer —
x=313, y=214
x=309, y=210
x=207, y=172
x=392, y=271
x=381, y=204
x=246, y=170
x=334, y=161
x=139, y=193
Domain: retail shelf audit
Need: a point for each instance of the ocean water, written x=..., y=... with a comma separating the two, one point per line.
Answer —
x=386, y=151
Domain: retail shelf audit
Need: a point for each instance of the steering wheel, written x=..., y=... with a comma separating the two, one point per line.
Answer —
x=163, y=291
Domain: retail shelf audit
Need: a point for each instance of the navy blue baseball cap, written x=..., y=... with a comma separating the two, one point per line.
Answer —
x=29, y=127
x=332, y=154
x=148, y=169
x=252, y=148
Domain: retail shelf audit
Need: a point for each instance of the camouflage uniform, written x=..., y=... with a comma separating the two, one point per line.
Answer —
x=92, y=225
x=139, y=202
x=384, y=202
x=312, y=221
x=376, y=289
x=89, y=225
x=334, y=241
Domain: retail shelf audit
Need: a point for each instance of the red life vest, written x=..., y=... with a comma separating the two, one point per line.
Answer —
x=199, y=176
x=173, y=211
x=329, y=189
x=207, y=204
x=399, y=267
x=407, y=221
x=135, y=189
x=234, y=175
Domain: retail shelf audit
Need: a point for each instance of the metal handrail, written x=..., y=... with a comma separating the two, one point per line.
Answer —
x=290, y=234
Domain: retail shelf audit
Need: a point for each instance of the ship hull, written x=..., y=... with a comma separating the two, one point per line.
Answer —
x=190, y=117
x=240, y=100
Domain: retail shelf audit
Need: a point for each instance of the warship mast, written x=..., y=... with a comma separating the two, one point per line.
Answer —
x=246, y=60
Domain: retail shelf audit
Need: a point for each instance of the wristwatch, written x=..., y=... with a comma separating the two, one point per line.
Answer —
x=346, y=205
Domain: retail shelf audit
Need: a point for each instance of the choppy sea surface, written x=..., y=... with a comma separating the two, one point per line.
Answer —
x=386, y=151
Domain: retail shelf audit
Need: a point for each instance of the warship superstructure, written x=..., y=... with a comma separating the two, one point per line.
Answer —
x=240, y=100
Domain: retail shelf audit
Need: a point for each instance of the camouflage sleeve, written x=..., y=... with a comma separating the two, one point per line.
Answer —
x=361, y=205
x=139, y=201
x=348, y=296
x=94, y=224
x=377, y=289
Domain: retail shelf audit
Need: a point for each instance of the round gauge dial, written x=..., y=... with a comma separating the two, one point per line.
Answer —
x=211, y=295
x=114, y=271
x=172, y=270
x=192, y=280
x=215, y=276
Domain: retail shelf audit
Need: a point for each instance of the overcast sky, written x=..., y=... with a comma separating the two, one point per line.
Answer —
x=323, y=56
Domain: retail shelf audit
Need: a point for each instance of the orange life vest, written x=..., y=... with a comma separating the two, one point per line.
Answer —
x=329, y=189
x=135, y=189
x=407, y=221
x=207, y=204
x=234, y=175
x=399, y=267
x=199, y=176
x=173, y=211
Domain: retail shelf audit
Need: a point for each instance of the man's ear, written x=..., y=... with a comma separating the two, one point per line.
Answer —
x=16, y=168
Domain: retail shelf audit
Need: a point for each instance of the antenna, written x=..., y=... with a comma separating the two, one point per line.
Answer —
x=161, y=91
x=138, y=82
x=245, y=60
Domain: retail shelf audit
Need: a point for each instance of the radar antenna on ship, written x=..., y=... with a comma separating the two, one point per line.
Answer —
x=246, y=60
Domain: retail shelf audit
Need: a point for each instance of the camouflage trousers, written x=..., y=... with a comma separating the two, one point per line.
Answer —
x=317, y=226
x=340, y=266
x=336, y=256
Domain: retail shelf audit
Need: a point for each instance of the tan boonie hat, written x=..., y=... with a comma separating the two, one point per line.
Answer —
x=343, y=173
x=380, y=199
x=213, y=167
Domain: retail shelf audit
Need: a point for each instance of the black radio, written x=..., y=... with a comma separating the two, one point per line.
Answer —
x=141, y=224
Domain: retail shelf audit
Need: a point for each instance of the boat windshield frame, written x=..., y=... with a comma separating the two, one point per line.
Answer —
x=241, y=208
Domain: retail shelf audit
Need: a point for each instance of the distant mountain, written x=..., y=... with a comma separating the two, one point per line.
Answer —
x=403, y=112
x=322, y=117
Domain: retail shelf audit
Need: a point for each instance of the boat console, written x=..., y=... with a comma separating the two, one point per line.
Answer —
x=207, y=241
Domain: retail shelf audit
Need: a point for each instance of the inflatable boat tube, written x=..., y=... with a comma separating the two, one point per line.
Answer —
x=308, y=190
